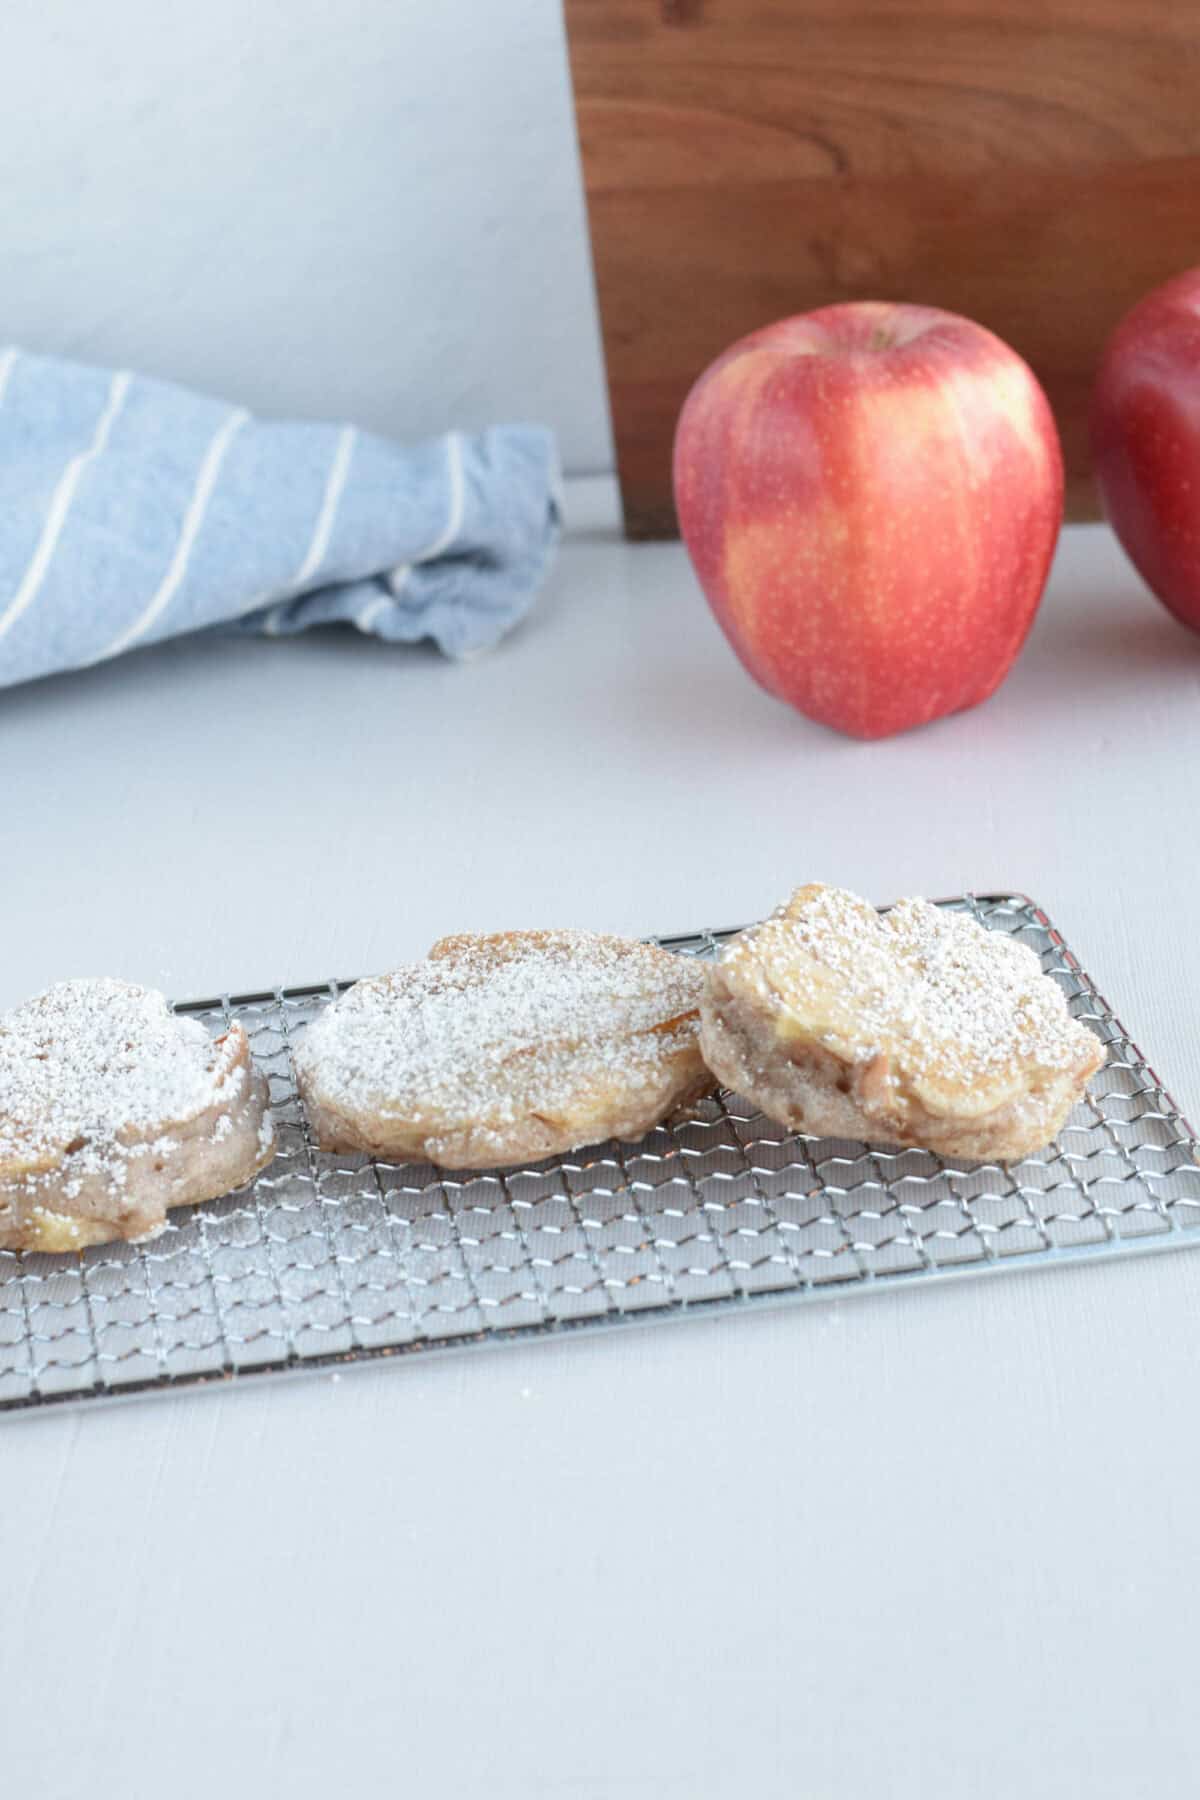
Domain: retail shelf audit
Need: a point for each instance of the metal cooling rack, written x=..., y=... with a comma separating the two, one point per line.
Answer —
x=332, y=1258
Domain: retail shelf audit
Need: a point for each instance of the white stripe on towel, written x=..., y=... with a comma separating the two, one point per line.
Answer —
x=367, y=615
x=335, y=483
x=274, y=619
x=193, y=518
x=8, y=359
x=329, y=505
x=60, y=504
x=454, y=519
x=397, y=580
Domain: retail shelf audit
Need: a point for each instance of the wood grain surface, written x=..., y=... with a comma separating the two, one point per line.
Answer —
x=1032, y=163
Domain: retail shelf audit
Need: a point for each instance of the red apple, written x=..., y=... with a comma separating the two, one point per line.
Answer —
x=1145, y=427
x=871, y=495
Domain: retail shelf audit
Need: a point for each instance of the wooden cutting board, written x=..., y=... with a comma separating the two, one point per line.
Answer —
x=1032, y=163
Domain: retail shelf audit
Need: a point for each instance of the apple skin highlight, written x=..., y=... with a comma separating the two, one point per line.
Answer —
x=871, y=495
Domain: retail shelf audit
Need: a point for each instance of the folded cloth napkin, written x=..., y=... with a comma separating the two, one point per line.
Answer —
x=132, y=510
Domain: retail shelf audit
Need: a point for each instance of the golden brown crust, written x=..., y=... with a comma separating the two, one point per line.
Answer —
x=506, y=1048
x=112, y=1110
x=915, y=1028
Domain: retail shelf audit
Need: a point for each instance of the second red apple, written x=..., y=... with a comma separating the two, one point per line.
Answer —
x=1145, y=426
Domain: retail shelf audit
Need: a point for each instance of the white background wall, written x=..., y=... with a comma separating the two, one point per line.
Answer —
x=359, y=208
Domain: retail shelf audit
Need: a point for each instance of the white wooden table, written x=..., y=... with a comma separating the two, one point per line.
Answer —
x=927, y=1542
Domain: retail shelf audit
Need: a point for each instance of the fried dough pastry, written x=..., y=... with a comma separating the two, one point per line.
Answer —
x=913, y=1027
x=112, y=1109
x=506, y=1048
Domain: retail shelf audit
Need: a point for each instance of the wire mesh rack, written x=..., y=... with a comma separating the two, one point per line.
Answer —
x=332, y=1258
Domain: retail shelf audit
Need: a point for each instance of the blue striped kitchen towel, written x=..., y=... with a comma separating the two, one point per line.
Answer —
x=132, y=510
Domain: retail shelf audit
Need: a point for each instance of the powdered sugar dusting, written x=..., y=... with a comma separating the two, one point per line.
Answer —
x=488, y=1027
x=93, y=1073
x=948, y=1001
